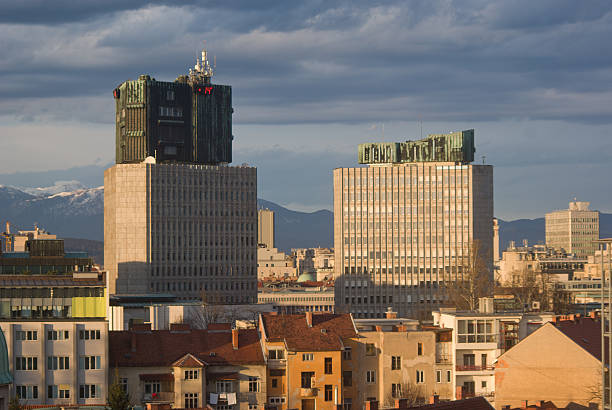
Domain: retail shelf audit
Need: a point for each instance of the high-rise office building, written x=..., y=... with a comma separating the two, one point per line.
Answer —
x=179, y=222
x=405, y=224
x=188, y=120
x=265, y=228
x=574, y=229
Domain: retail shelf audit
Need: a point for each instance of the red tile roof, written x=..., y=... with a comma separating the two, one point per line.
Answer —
x=326, y=333
x=474, y=403
x=585, y=332
x=188, y=361
x=164, y=347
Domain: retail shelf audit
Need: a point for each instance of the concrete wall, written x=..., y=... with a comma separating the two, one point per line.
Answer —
x=546, y=366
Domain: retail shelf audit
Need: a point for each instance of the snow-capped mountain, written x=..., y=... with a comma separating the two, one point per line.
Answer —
x=58, y=187
x=67, y=208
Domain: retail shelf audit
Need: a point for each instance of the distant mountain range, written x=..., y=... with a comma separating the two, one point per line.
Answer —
x=71, y=210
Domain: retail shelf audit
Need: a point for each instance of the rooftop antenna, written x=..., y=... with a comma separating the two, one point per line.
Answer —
x=421, y=124
x=202, y=71
x=383, y=130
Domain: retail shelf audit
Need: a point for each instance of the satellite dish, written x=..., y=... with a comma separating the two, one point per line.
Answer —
x=149, y=160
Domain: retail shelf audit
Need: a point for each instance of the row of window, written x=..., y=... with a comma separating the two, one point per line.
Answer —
x=401, y=179
x=57, y=335
x=86, y=391
x=58, y=363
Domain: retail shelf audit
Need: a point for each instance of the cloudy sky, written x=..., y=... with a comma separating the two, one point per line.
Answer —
x=312, y=79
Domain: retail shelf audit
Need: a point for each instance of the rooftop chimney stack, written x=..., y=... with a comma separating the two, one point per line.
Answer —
x=235, y=338
x=309, y=319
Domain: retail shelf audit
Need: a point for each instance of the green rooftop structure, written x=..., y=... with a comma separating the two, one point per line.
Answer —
x=455, y=147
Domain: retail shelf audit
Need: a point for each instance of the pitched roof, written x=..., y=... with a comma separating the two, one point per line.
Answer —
x=165, y=347
x=474, y=403
x=188, y=361
x=326, y=333
x=585, y=332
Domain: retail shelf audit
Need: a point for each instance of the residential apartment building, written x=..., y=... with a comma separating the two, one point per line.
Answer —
x=304, y=355
x=479, y=338
x=395, y=358
x=405, y=224
x=265, y=228
x=219, y=367
x=183, y=229
x=57, y=338
x=559, y=362
x=540, y=259
x=574, y=229
x=274, y=264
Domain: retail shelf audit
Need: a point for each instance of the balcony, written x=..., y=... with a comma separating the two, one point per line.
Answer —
x=444, y=360
x=308, y=392
x=277, y=363
x=159, y=397
x=473, y=368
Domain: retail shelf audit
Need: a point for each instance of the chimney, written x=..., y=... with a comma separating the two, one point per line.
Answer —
x=371, y=405
x=133, y=342
x=434, y=399
x=390, y=314
x=525, y=404
x=235, y=338
x=309, y=319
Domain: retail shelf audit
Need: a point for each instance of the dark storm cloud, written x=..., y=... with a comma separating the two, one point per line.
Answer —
x=417, y=58
x=65, y=11
x=460, y=63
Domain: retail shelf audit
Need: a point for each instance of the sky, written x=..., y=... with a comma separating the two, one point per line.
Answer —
x=313, y=79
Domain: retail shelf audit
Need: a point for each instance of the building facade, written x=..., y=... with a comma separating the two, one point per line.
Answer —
x=478, y=339
x=274, y=264
x=265, y=228
x=218, y=367
x=57, y=338
x=188, y=120
x=176, y=219
x=403, y=231
x=296, y=300
x=304, y=355
x=560, y=363
x=395, y=358
x=184, y=229
x=574, y=229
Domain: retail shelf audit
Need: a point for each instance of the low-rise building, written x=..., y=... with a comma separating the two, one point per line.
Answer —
x=479, y=338
x=298, y=299
x=305, y=357
x=57, y=338
x=559, y=362
x=191, y=368
x=316, y=261
x=271, y=263
x=395, y=358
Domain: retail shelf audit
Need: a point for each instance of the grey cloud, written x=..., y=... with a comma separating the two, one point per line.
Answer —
x=66, y=11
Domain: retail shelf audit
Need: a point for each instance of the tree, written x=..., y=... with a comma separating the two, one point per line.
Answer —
x=472, y=283
x=411, y=392
x=118, y=398
x=14, y=404
x=201, y=316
